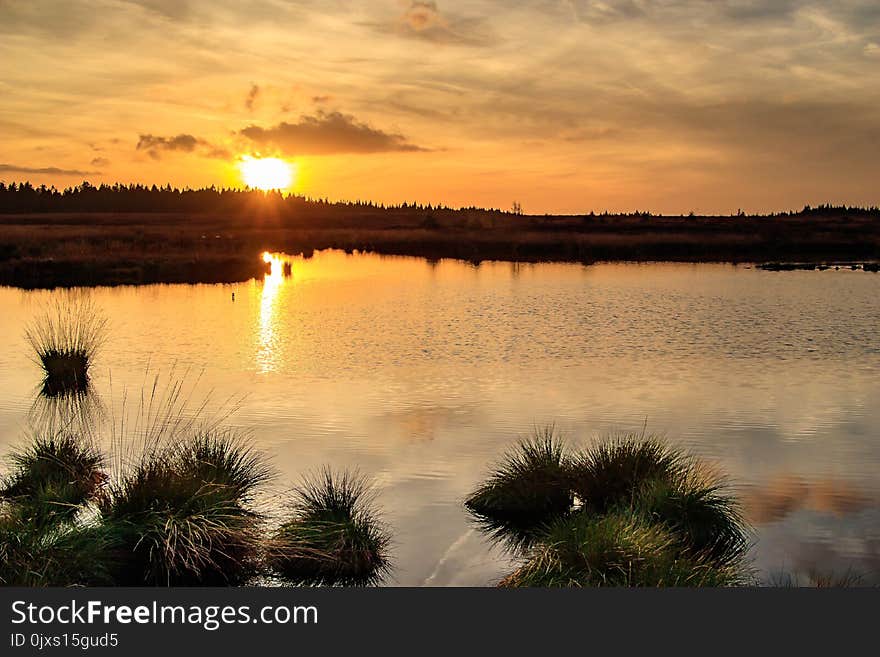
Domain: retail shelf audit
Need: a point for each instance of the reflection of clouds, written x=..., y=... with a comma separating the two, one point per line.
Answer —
x=791, y=493
x=836, y=550
x=425, y=423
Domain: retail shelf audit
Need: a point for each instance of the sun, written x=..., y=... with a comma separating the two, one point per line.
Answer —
x=266, y=173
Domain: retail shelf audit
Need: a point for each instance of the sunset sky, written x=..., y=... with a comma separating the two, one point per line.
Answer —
x=564, y=106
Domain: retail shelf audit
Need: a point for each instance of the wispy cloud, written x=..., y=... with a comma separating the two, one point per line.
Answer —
x=251, y=97
x=13, y=168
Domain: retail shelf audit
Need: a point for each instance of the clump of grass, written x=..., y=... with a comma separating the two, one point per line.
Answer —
x=65, y=339
x=184, y=516
x=221, y=459
x=54, y=476
x=628, y=511
x=528, y=489
x=617, y=549
x=60, y=554
x=335, y=536
x=697, y=509
x=667, y=486
x=614, y=471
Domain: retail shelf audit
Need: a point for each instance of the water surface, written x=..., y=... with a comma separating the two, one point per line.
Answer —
x=420, y=374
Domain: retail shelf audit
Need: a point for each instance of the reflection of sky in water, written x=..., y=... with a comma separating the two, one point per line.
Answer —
x=421, y=374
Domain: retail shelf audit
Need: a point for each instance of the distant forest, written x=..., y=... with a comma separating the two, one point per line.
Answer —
x=17, y=198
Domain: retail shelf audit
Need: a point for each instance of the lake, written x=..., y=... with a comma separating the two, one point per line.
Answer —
x=420, y=374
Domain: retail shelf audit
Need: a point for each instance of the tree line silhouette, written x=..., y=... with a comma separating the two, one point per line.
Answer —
x=23, y=197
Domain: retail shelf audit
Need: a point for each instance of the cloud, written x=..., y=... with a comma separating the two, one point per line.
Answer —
x=597, y=12
x=328, y=133
x=719, y=15
x=154, y=146
x=12, y=168
x=251, y=97
x=423, y=20
x=737, y=10
x=100, y=162
x=421, y=16
x=170, y=9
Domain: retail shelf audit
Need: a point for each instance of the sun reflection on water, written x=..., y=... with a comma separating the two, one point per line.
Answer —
x=268, y=349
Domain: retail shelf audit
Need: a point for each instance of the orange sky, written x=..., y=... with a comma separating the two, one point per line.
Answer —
x=564, y=106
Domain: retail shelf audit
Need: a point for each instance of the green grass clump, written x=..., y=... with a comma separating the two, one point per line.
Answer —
x=53, y=477
x=65, y=340
x=666, y=486
x=335, y=536
x=184, y=516
x=61, y=554
x=44, y=538
x=528, y=489
x=628, y=511
x=612, y=472
x=617, y=549
x=703, y=517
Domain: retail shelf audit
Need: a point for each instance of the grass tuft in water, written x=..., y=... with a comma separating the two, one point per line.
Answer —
x=667, y=486
x=626, y=511
x=335, y=536
x=65, y=339
x=61, y=554
x=701, y=514
x=617, y=549
x=612, y=472
x=183, y=514
x=53, y=477
x=526, y=491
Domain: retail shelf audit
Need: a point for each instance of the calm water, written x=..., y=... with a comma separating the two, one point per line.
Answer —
x=420, y=374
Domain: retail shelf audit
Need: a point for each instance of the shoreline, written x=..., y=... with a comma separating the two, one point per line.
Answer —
x=46, y=250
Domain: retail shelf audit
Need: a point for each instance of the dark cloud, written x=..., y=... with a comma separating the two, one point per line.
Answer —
x=760, y=10
x=12, y=168
x=328, y=133
x=251, y=97
x=100, y=162
x=154, y=146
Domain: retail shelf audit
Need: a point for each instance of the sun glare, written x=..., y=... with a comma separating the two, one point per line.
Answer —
x=266, y=173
